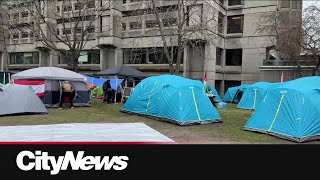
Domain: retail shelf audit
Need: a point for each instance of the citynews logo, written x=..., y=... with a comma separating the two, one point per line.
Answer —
x=42, y=161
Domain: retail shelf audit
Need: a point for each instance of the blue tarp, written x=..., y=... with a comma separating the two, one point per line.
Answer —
x=230, y=95
x=172, y=98
x=254, y=94
x=99, y=81
x=290, y=111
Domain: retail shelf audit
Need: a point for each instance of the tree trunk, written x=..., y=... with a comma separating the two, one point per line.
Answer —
x=177, y=70
x=75, y=65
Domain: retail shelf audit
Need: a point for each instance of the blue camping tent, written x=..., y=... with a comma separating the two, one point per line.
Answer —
x=290, y=111
x=172, y=98
x=254, y=94
x=231, y=94
x=99, y=81
x=215, y=92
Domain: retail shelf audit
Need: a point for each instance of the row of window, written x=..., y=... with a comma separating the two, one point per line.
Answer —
x=148, y=55
x=168, y=22
x=68, y=31
x=294, y=4
x=87, y=57
x=234, y=24
x=133, y=56
x=24, y=35
x=230, y=2
x=76, y=6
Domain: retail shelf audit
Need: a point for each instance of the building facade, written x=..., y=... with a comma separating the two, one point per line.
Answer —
x=124, y=35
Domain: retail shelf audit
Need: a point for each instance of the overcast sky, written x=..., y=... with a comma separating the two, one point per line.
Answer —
x=307, y=3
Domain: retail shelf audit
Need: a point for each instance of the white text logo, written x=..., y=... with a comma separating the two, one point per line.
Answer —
x=42, y=161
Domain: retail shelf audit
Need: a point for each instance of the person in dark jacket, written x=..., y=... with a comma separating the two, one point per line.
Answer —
x=107, y=91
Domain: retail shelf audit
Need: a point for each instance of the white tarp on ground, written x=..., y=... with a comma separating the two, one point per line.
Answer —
x=82, y=132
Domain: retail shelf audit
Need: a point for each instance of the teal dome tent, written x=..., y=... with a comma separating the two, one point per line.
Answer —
x=254, y=94
x=231, y=94
x=290, y=111
x=215, y=92
x=172, y=98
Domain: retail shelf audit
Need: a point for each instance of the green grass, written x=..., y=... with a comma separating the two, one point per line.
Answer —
x=227, y=132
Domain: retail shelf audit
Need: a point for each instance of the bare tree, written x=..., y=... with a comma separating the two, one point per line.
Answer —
x=179, y=24
x=193, y=28
x=3, y=38
x=63, y=27
x=296, y=36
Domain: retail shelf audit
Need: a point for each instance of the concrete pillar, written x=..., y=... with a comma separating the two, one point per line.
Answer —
x=53, y=60
x=4, y=65
x=44, y=58
x=103, y=59
x=222, y=88
x=118, y=57
x=1, y=62
x=186, y=62
x=210, y=62
x=110, y=58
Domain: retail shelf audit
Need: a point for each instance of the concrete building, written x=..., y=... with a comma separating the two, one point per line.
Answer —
x=122, y=35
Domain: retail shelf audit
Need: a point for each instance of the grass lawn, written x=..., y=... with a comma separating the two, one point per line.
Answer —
x=227, y=132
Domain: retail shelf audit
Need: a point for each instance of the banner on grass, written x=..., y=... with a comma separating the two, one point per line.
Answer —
x=38, y=86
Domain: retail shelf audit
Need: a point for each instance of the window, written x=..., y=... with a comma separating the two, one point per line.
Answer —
x=134, y=1
x=24, y=58
x=194, y=15
x=285, y=3
x=24, y=35
x=169, y=22
x=234, y=57
x=220, y=23
x=270, y=53
x=16, y=16
x=66, y=31
x=124, y=26
x=217, y=86
x=86, y=57
x=77, y=6
x=124, y=1
x=135, y=25
x=219, y=52
x=294, y=4
x=91, y=4
x=235, y=24
x=58, y=9
x=24, y=14
x=91, y=29
x=15, y=36
x=235, y=2
x=151, y=24
x=78, y=30
x=67, y=8
x=229, y=84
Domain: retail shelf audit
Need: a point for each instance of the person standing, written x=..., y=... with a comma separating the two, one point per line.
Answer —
x=106, y=89
x=67, y=92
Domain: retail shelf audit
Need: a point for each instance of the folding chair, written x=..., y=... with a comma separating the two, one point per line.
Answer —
x=126, y=93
